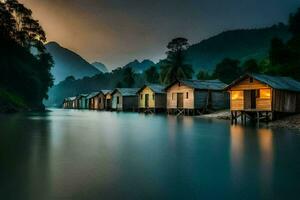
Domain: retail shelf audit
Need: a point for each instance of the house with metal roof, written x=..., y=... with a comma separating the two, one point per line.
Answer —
x=196, y=96
x=82, y=102
x=96, y=101
x=263, y=95
x=125, y=99
x=107, y=99
x=69, y=103
x=152, y=98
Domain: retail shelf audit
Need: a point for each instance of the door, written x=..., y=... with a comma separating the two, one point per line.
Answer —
x=250, y=99
x=146, y=100
x=179, y=100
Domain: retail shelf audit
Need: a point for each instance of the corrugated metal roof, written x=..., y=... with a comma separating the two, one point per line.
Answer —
x=93, y=94
x=156, y=88
x=82, y=95
x=105, y=92
x=127, y=91
x=278, y=82
x=72, y=98
x=205, y=84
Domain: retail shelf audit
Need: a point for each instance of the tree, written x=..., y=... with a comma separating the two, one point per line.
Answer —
x=228, y=70
x=294, y=23
x=250, y=66
x=174, y=66
x=129, y=77
x=23, y=73
x=151, y=75
x=203, y=75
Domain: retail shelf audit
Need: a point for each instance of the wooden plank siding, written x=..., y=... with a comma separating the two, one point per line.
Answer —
x=262, y=104
x=115, y=104
x=142, y=98
x=188, y=103
x=156, y=100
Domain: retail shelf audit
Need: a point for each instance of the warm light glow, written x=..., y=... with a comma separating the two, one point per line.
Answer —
x=265, y=93
x=237, y=95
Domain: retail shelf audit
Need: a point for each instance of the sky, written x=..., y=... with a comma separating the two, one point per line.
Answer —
x=116, y=32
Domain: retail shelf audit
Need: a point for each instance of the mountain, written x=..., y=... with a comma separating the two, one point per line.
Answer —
x=140, y=67
x=100, y=66
x=68, y=63
x=236, y=44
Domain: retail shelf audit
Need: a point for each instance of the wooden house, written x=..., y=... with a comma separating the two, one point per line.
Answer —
x=108, y=99
x=69, y=103
x=125, y=99
x=196, y=96
x=66, y=103
x=96, y=101
x=152, y=98
x=82, y=102
x=262, y=96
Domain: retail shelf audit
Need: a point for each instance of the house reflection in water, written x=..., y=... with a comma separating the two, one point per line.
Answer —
x=265, y=137
x=242, y=146
x=237, y=149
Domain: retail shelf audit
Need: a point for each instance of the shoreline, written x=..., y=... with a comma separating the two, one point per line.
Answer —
x=289, y=122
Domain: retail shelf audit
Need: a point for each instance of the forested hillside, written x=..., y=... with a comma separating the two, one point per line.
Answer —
x=235, y=44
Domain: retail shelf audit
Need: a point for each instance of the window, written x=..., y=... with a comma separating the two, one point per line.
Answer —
x=251, y=80
x=100, y=99
x=153, y=96
x=187, y=95
x=237, y=95
x=118, y=100
x=265, y=93
x=173, y=94
x=141, y=96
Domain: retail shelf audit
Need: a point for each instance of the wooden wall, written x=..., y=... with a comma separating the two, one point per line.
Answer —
x=160, y=101
x=108, y=101
x=142, y=98
x=130, y=103
x=201, y=99
x=116, y=106
x=188, y=103
x=239, y=104
x=98, y=102
x=219, y=100
x=285, y=101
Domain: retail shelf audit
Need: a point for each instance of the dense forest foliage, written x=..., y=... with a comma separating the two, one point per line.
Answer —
x=25, y=78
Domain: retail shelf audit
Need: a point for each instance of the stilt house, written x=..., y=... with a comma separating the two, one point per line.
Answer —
x=196, y=96
x=152, y=98
x=263, y=94
x=96, y=101
x=108, y=99
x=82, y=101
x=125, y=99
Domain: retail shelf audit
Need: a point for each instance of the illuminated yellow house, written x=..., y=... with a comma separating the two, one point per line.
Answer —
x=152, y=98
x=263, y=95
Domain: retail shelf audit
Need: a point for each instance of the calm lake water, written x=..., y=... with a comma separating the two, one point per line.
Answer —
x=68, y=154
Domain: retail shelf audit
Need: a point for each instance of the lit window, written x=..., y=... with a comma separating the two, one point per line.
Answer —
x=237, y=95
x=265, y=93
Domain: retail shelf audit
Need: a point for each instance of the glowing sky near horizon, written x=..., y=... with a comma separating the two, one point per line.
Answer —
x=116, y=32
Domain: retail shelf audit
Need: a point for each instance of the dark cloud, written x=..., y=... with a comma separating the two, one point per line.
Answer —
x=117, y=31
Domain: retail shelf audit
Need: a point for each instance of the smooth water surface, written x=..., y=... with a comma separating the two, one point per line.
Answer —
x=69, y=154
